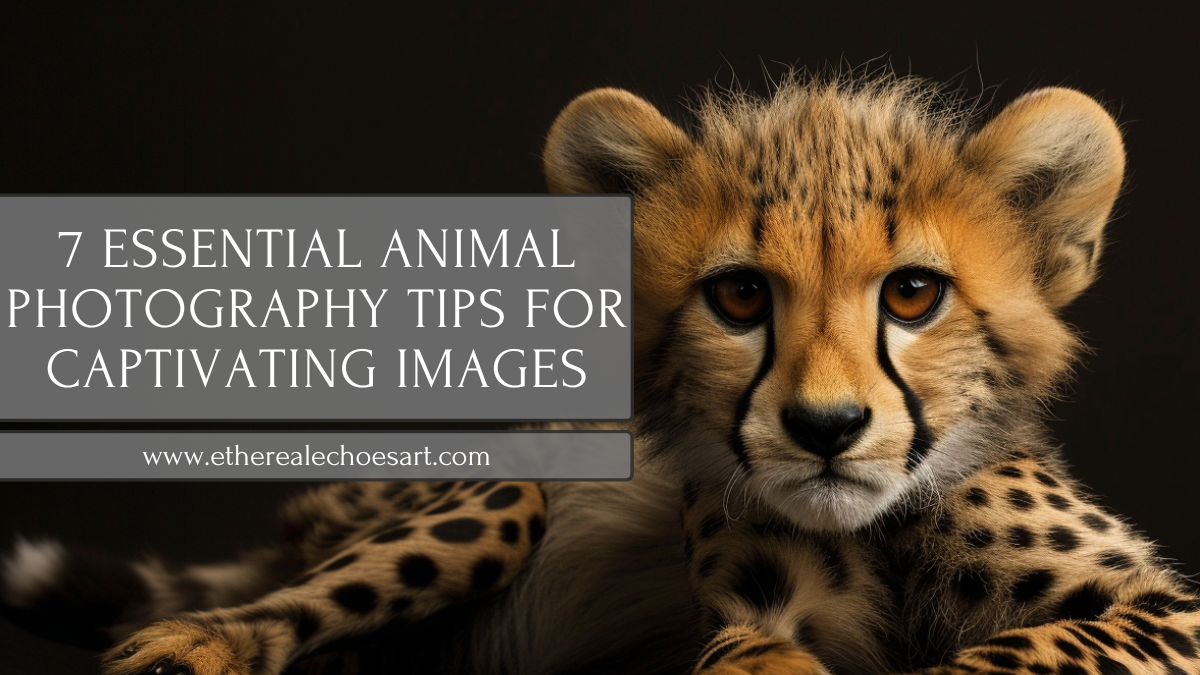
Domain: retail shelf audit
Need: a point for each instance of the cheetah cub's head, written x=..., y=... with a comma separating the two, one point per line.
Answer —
x=845, y=296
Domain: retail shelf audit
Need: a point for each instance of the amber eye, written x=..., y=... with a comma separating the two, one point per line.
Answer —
x=742, y=298
x=910, y=295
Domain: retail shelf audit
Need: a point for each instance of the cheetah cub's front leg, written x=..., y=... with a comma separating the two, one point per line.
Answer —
x=471, y=541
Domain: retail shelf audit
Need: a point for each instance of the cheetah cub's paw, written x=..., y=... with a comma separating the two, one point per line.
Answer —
x=175, y=647
x=741, y=650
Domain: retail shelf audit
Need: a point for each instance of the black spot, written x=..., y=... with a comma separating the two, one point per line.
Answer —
x=485, y=574
x=1133, y=651
x=1085, y=603
x=691, y=493
x=441, y=488
x=1019, y=537
x=1045, y=479
x=1063, y=539
x=1145, y=643
x=1040, y=669
x=417, y=570
x=1177, y=641
x=1010, y=472
x=1096, y=522
x=1000, y=659
x=1154, y=604
x=392, y=535
x=458, y=531
x=503, y=498
x=537, y=529
x=510, y=531
x=762, y=583
x=401, y=605
x=341, y=562
x=1072, y=669
x=1110, y=667
x=1032, y=586
x=1020, y=499
x=1083, y=639
x=708, y=565
x=1019, y=642
x=447, y=507
x=979, y=538
x=1185, y=605
x=1071, y=649
x=1058, y=501
x=689, y=547
x=1116, y=560
x=1140, y=623
x=484, y=487
x=356, y=598
x=977, y=496
x=1099, y=634
x=973, y=584
x=306, y=624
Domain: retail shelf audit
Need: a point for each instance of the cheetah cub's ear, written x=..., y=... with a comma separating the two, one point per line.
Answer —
x=609, y=140
x=1058, y=157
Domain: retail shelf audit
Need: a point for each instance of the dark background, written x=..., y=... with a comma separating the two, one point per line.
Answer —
x=167, y=97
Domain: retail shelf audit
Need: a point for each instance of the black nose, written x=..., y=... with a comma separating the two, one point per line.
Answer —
x=826, y=432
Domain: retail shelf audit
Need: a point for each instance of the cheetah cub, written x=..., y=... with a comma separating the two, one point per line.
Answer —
x=847, y=323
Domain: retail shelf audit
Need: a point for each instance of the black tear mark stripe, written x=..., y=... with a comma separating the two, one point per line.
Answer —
x=736, y=442
x=922, y=439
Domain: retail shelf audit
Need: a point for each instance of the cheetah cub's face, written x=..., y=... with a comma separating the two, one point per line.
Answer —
x=846, y=297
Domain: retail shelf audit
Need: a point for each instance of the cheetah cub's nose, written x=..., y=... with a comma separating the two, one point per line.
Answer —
x=826, y=432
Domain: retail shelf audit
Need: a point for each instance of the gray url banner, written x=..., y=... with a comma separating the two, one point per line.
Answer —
x=317, y=456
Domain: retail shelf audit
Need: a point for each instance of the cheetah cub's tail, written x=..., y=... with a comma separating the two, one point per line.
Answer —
x=91, y=599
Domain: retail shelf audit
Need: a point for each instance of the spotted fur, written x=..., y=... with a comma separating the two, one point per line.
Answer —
x=943, y=536
x=356, y=557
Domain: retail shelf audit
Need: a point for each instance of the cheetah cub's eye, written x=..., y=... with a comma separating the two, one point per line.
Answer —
x=908, y=296
x=741, y=298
